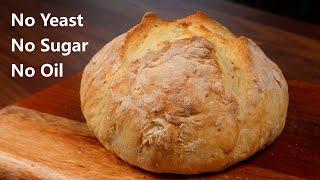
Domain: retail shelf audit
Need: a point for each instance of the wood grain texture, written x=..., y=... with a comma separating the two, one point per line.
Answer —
x=293, y=45
x=295, y=152
x=39, y=145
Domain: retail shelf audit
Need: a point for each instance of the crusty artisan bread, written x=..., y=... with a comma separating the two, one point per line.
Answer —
x=184, y=97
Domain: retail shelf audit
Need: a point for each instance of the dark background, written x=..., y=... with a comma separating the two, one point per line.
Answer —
x=304, y=10
x=291, y=43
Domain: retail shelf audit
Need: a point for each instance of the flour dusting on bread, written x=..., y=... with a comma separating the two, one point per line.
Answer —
x=184, y=96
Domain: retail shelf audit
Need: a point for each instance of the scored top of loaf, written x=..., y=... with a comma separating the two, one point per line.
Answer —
x=198, y=24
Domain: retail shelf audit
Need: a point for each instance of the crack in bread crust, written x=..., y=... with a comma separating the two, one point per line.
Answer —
x=185, y=96
x=177, y=98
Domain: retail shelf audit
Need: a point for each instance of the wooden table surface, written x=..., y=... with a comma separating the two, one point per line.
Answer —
x=293, y=45
x=294, y=155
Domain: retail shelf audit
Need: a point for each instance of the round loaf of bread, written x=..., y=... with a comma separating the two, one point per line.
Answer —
x=184, y=96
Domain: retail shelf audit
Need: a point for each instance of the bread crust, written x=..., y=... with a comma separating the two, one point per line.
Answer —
x=185, y=96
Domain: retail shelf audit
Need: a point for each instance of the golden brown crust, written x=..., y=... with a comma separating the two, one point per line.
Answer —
x=185, y=96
